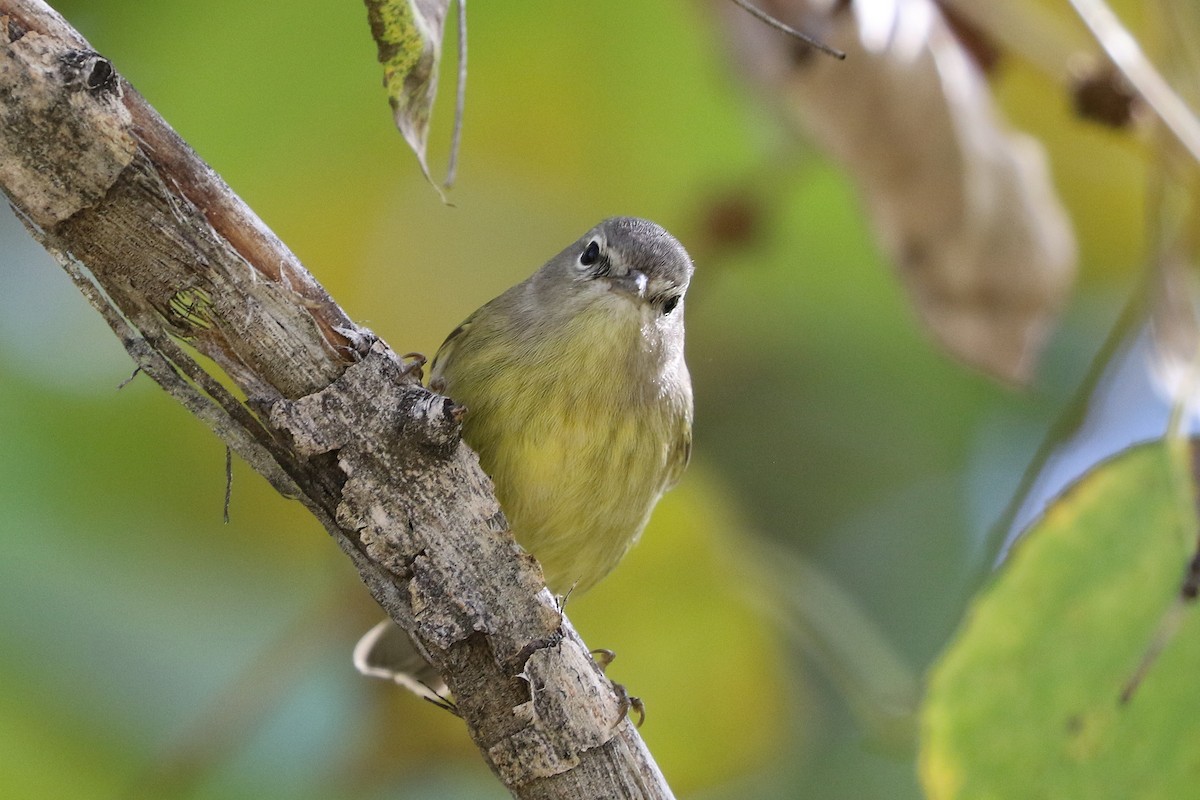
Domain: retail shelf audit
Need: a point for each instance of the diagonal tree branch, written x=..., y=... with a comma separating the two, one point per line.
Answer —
x=178, y=266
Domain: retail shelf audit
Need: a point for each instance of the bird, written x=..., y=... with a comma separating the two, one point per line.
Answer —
x=579, y=405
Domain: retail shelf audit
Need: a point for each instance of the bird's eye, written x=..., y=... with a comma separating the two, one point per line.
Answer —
x=591, y=254
x=669, y=304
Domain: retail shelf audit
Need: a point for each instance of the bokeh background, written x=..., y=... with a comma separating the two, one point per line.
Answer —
x=786, y=598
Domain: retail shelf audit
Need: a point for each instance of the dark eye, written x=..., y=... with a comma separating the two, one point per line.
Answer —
x=591, y=254
x=669, y=304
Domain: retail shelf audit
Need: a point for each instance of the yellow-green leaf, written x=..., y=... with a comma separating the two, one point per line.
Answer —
x=1025, y=702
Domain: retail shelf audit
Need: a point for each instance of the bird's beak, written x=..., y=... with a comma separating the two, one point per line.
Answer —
x=635, y=283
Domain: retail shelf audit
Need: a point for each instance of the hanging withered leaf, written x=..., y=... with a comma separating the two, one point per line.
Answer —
x=961, y=204
x=408, y=34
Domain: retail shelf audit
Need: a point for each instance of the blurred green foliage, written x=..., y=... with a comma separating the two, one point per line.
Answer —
x=149, y=651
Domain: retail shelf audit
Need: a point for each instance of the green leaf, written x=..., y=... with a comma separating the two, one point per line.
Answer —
x=408, y=34
x=1025, y=702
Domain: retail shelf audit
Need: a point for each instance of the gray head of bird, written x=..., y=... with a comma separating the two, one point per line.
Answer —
x=634, y=259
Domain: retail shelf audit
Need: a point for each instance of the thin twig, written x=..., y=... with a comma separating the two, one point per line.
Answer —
x=136, y=371
x=812, y=41
x=1128, y=57
x=228, y=482
x=460, y=102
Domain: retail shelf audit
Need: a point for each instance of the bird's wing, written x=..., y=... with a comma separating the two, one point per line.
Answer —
x=446, y=352
x=681, y=454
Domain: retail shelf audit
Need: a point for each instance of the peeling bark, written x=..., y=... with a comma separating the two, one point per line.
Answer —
x=165, y=251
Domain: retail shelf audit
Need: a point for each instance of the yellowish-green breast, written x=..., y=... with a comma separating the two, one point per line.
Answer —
x=581, y=429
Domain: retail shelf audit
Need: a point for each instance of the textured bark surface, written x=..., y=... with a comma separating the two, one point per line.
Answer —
x=326, y=411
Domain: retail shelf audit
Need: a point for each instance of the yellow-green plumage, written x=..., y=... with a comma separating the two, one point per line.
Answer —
x=581, y=423
x=578, y=399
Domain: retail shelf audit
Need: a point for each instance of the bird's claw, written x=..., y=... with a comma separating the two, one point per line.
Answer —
x=410, y=362
x=629, y=704
x=603, y=658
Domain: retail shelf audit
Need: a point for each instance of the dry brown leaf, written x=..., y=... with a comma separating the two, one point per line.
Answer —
x=963, y=205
